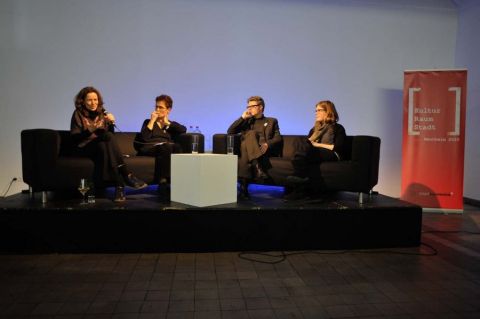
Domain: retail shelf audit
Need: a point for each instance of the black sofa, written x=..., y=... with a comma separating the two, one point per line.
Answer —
x=356, y=172
x=48, y=165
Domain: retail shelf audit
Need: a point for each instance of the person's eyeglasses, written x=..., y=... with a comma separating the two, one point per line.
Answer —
x=251, y=106
x=321, y=110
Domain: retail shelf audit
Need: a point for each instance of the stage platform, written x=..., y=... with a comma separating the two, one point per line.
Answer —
x=147, y=222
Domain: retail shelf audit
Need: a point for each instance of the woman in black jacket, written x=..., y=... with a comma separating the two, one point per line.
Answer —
x=91, y=129
x=324, y=143
x=158, y=137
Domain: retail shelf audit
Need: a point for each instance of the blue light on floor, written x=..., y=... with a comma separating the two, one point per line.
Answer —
x=252, y=188
x=265, y=188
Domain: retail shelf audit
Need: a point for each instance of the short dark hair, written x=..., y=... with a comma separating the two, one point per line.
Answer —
x=167, y=99
x=80, y=98
x=257, y=99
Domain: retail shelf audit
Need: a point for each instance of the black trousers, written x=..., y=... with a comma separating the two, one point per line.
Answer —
x=163, y=154
x=107, y=158
x=306, y=154
x=249, y=151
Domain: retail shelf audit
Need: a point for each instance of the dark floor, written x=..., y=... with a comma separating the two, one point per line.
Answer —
x=399, y=283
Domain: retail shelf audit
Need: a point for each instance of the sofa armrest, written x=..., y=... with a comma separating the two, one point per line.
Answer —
x=185, y=140
x=40, y=150
x=220, y=143
x=366, y=152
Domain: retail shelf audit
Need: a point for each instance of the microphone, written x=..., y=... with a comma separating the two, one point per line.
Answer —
x=105, y=112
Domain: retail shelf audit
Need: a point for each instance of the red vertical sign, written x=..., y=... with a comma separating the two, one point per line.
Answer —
x=434, y=138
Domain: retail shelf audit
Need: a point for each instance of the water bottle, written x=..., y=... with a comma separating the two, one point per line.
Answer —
x=195, y=139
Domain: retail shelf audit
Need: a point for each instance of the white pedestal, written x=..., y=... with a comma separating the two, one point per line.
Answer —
x=204, y=179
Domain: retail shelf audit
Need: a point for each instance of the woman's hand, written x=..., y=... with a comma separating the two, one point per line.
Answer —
x=315, y=144
x=153, y=120
x=322, y=145
x=153, y=116
x=165, y=121
x=92, y=136
x=110, y=117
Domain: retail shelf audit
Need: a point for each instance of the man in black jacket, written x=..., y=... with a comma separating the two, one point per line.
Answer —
x=260, y=139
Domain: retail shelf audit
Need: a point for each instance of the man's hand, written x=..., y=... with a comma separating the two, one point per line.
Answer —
x=246, y=115
x=264, y=148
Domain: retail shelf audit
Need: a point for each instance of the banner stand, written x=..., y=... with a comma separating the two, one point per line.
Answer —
x=433, y=145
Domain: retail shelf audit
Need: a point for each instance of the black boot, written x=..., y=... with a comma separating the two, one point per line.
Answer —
x=294, y=179
x=130, y=179
x=163, y=190
x=300, y=191
x=296, y=194
x=244, y=189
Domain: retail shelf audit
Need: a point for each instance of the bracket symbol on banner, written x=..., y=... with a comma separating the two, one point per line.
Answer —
x=411, y=92
x=458, y=94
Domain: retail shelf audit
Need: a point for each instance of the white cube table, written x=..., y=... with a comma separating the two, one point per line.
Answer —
x=204, y=179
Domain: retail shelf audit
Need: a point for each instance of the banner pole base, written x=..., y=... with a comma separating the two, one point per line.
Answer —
x=442, y=210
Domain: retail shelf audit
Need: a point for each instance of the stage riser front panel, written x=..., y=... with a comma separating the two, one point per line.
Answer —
x=117, y=231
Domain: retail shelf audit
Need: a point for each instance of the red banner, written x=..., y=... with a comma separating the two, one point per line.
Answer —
x=434, y=138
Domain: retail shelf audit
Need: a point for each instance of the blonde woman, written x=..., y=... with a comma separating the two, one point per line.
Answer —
x=323, y=144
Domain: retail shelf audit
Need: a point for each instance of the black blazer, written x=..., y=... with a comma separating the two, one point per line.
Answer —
x=271, y=130
x=339, y=137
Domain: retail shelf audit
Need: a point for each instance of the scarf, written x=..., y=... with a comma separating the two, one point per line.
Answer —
x=317, y=129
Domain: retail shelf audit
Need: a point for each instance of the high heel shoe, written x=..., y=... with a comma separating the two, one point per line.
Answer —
x=133, y=181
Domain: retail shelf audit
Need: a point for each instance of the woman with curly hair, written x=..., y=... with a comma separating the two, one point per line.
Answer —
x=92, y=129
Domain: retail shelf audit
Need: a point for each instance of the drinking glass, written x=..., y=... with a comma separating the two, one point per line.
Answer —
x=230, y=144
x=83, y=188
x=194, y=144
